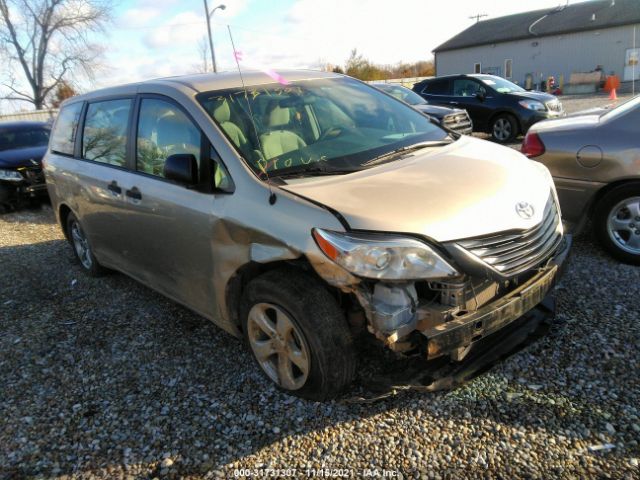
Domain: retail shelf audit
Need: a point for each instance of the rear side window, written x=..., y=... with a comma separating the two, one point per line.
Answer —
x=437, y=87
x=105, y=132
x=64, y=135
x=163, y=130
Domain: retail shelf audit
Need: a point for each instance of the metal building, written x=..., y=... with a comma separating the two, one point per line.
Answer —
x=529, y=47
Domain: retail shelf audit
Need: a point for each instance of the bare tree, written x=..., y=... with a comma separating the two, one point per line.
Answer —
x=203, y=53
x=49, y=42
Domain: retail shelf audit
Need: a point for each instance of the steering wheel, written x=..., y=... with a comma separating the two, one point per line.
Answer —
x=331, y=132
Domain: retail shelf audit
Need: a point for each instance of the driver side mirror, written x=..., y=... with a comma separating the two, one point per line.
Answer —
x=181, y=168
x=481, y=95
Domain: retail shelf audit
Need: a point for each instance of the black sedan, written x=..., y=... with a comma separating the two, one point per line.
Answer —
x=453, y=118
x=496, y=106
x=22, y=146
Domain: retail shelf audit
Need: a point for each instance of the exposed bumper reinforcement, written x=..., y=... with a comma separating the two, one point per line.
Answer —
x=458, y=336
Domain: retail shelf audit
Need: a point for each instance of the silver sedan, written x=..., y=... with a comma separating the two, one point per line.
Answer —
x=595, y=162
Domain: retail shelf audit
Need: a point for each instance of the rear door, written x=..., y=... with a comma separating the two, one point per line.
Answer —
x=102, y=175
x=169, y=226
x=437, y=91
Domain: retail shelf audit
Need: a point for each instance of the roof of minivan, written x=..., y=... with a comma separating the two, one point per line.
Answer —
x=204, y=82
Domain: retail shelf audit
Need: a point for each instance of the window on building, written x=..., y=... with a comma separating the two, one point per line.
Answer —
x=507, y=68
x=477, y=68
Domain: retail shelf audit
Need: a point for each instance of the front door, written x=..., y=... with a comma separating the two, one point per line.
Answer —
x=475, y=98
x=170, y=225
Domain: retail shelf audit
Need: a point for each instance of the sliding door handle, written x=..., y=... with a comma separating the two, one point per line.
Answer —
x=134, y=193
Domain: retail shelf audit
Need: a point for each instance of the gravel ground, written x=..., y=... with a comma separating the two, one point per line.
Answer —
x=103, y=378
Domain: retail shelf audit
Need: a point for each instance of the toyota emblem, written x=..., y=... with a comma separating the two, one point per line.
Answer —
x=525, y=210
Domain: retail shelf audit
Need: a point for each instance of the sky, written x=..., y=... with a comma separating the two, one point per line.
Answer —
x=155, y=38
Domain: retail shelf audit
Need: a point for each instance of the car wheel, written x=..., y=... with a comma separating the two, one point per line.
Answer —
x=298, y=335
x=617, y=223
x=82, y=248
x=504, y=128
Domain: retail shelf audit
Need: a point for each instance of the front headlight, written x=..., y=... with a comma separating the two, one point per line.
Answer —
x=383, y=257
x=533, y=105
x=10, y=175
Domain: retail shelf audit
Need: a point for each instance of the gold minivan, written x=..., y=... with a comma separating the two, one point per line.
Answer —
x=299, y=213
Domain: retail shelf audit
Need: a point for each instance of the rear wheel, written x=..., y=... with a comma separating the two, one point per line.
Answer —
x=504, y=128
x=298, y=335
x=82, y=248
x=617, y=223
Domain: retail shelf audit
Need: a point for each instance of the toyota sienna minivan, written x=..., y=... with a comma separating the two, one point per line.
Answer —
x=299, y=214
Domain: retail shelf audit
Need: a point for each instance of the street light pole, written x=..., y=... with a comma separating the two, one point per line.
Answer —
x=209, y=15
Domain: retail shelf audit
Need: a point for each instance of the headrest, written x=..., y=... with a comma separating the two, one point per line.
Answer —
x=279, y=117
x=221, y=111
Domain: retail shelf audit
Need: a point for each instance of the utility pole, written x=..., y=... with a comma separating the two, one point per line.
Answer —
x=209, y=15
x=478, y=16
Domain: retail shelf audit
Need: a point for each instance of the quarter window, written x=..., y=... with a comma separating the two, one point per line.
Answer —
x=105, y=132
x=163, y=130
x=63, y=138
x=437, y=87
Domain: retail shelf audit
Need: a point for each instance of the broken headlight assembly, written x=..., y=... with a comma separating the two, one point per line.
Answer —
x=10, y=175
x=383, y=257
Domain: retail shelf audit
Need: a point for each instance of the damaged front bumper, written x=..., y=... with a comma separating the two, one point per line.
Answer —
x=457, y=336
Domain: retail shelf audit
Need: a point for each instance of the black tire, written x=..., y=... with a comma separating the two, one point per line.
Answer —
x=504, y=123
x=89, y=263
x=319, y=320
x=603, y=212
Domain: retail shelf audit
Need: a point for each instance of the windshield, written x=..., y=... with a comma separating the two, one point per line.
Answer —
x=501, y=85
x=622, y=109
x=11, y=139
x=403, y=93
x=336, y=124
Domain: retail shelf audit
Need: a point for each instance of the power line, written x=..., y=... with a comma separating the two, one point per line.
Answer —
x=478, y=16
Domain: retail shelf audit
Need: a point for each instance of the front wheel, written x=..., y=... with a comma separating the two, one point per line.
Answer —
x=504, y=128
x=298, y=335
x=82, y=248
x=617, y=223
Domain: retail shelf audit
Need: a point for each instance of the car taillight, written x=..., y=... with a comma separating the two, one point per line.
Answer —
x=532, y=146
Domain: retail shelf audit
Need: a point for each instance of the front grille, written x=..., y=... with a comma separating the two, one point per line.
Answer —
x=513, y=253
x=459, y=122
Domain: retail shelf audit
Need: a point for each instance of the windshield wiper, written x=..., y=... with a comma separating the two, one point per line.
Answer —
x=403, y=150
x=311, y=171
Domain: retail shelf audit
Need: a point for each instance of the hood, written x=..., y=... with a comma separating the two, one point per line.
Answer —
x=436, y=111
x=467, y=189
x=22, y=157
x=566, y=123
x=540, y=96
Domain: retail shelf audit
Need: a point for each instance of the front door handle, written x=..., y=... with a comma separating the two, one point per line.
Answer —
x=453, y=103
x=134, y=193
x=114, y=188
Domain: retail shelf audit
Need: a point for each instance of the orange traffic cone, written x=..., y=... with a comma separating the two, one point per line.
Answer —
x=612, y=95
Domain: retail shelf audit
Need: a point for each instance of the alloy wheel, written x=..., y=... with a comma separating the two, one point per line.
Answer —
x=81, y=245
x=502, y=129
x=623, y=225
x=278, y=345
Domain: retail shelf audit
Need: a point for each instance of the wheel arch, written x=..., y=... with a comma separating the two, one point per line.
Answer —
x=600, y=194
x=63, y=214
x=245, y=274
